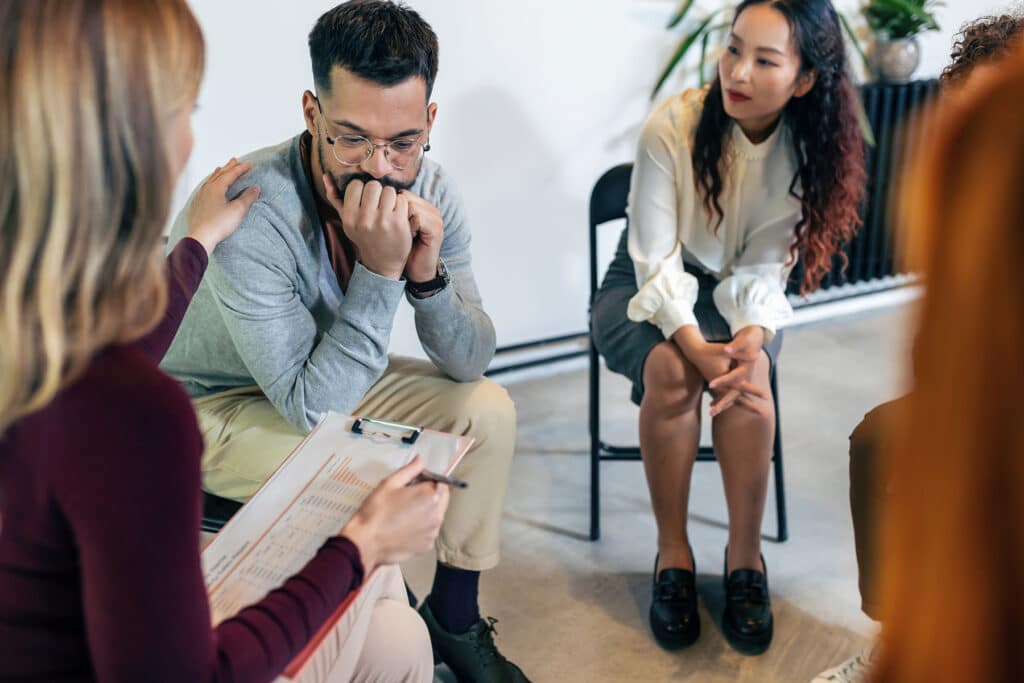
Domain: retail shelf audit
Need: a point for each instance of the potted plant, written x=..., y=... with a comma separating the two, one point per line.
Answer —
x=895, y=24
x=698, y=34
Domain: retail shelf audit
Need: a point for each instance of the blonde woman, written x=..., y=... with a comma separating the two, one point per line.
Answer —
x=100, y=576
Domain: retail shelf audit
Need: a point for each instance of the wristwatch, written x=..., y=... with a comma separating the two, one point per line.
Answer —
x=422, y=290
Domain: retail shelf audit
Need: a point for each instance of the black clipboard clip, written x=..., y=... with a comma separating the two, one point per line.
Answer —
x=359, y=427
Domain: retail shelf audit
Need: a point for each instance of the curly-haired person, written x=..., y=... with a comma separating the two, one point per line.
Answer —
x=980, y=44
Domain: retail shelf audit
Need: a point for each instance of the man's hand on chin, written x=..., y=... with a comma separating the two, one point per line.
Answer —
x=427, y=228
x=376, y=219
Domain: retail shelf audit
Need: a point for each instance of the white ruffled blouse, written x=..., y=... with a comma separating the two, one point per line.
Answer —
x=749, y=253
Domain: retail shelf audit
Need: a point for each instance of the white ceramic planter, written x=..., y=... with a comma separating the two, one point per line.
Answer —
x=894, y=61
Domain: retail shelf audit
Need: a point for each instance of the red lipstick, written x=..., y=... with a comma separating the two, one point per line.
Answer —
x=736, y=96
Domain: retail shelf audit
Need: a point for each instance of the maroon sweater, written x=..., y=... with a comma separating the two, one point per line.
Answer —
x=100, y=577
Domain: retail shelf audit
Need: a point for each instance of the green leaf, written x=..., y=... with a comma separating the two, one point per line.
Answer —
x=684, y=46
x=864, y=123
x=902, y=10
x=854, y=40
x=703, y=55
x=712, y=31
x=680, y=13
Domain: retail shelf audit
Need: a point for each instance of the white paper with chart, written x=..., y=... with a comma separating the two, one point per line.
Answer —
x=308, y=499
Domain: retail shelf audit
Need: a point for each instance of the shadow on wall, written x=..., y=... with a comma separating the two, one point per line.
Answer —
x=511, y=171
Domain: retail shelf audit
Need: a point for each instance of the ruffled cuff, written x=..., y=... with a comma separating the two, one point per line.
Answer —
x=666, y=300
x=748, y=299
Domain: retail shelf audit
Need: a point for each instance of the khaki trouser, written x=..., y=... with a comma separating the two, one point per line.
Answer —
x=246, y=439
x=869, y=492
x=379, y=639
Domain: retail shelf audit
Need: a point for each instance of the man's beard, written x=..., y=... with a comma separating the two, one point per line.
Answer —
x=342, y=180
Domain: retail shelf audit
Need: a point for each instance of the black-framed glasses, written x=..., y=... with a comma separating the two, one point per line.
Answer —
x=353, y=150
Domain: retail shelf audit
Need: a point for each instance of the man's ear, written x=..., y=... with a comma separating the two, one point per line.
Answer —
x=805, y=82
x=431, y=115
x=310, y=111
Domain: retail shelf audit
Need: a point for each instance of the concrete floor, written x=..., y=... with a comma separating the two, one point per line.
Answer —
x=572, y=610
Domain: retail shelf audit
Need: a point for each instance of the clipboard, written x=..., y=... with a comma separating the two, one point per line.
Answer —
x=362, y=424
x=309, y=498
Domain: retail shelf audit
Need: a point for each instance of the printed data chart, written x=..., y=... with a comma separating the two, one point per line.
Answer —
x=308, y=500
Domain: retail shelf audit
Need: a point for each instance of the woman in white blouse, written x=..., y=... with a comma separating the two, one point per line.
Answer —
x=731, y=185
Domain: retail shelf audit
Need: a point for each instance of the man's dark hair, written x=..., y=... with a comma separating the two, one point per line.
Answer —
x=379, y=40
x=981, y=41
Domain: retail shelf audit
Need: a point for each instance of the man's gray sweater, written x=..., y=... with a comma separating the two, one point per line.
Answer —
x=270, y=311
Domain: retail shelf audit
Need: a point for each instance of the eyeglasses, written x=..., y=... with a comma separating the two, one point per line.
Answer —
x=353, y=150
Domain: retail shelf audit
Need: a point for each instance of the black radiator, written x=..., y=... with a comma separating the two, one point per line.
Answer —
x=889, y=107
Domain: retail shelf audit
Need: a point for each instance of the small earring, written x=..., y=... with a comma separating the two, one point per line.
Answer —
x=426, y=147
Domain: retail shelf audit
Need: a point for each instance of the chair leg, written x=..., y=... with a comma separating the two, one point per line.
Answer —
x=780, y=498
x=595, y=445
x=780, y=482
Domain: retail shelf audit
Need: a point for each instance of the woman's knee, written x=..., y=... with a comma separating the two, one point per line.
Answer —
x=751, y=414
x=397, y=647
x=670, y=380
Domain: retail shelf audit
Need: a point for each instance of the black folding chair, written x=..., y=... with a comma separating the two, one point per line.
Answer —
x=608, y=203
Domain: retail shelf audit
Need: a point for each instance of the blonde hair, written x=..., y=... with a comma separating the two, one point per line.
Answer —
x=955, y=523
x=91, y=88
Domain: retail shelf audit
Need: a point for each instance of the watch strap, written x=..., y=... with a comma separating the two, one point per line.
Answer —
x=440, y=281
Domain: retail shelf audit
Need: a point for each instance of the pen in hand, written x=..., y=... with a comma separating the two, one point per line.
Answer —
x=427, y=475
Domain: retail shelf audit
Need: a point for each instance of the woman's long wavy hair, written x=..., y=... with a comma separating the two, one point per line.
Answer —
x=954, y=531
x=89, y=91
x=827, y=141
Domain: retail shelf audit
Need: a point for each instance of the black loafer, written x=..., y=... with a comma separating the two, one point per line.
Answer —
x=674, y=619
x=747, y=620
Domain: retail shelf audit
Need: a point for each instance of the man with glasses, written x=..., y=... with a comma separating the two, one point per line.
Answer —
x=294, y=315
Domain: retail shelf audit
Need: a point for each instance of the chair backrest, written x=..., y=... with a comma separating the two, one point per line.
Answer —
x=607, y=203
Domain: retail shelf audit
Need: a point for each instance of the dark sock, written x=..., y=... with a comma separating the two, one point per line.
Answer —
x=453, y=598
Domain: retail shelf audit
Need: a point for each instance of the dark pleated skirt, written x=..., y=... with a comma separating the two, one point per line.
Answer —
x=625, y=344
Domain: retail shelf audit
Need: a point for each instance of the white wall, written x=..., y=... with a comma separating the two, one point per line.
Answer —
x=536, y=98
